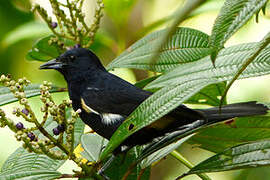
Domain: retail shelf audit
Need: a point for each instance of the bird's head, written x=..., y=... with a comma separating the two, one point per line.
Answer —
x=76, y=60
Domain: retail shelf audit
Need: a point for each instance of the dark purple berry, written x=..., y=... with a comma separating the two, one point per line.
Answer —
x=61, y=127
x=25, y=111
x=19, y=126
x=77, y=46
x=31, y=136
x=54, y=25
x=56, y=131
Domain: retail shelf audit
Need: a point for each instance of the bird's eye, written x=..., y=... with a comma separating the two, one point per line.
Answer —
x=72, y=57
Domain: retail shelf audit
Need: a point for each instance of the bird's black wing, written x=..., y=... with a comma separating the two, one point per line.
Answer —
x=113, y=95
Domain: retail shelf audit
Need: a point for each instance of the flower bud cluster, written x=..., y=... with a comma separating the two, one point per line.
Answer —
x=3, y=122
x=72, y=26
x=29, y=136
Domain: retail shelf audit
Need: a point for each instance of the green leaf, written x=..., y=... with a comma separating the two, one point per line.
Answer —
x=153, y=108
x=231, y=133
x=179, y=16
x=120, y=166
x=32, y=90
x=78, y=131
x=28, y=30
x=228, y=62
x=32, y=175
x=249, y=155
x=233, y=15
x=22, y=160
x=210, y=95
x=249, y=59
x=141, y=84
x=156, y=156
x=185, y=45
x=185, y=81
x=92, y=144
x=43, y=50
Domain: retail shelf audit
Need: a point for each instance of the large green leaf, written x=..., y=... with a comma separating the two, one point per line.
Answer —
x=252, y=154
x=120, y=166
x=152, y=109
x=31, y=175
x=162, y=152
x=78, y=131
x=210, y=95
x=22, y=160
x=7, y=97
x=170, y=138
x=223, y=135
x=141, y=84
x=225, y=69
x=185, y=45
x=92, y=144
x=185, y=81
x=233, y=15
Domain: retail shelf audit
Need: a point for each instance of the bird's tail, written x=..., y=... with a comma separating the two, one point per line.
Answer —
x=234, y=110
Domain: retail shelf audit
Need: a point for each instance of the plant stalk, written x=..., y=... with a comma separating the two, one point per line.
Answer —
x=188, y=164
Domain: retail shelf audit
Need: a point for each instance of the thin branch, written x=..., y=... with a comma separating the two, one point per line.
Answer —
x=263, y=43
x=188, y=164
x=70, y=176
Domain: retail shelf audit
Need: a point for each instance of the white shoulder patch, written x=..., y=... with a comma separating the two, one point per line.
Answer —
x=87, y=108
x=109, y=118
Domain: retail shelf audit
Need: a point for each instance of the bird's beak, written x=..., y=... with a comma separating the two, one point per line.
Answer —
x=52, y=64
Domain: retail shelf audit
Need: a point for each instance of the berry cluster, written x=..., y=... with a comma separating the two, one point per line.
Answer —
x=30, y=135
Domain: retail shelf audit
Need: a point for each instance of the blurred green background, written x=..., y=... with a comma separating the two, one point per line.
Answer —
x=125, y=22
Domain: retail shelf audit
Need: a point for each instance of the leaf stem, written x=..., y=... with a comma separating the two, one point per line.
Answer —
x=188, y=164
x=262, y=44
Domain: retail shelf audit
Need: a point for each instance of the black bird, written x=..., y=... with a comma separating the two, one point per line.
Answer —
x=106, y=100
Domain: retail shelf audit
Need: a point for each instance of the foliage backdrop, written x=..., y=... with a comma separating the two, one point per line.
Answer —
x=118, y=32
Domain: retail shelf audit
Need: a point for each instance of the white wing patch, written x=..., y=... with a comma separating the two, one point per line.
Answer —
x=109, y=118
